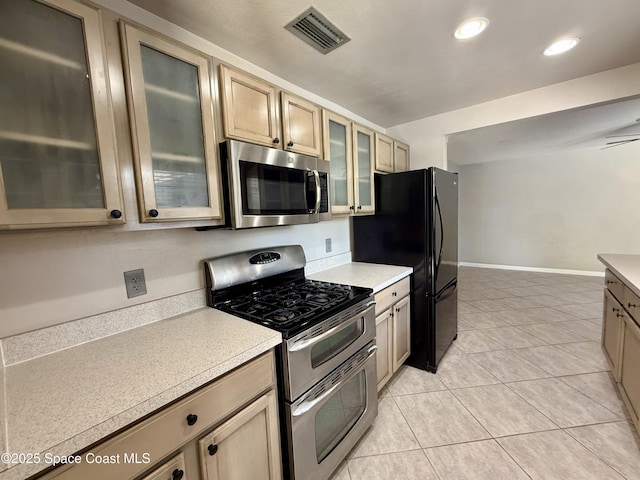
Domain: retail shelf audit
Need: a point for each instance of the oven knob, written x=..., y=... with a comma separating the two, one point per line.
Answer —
x=276, y=140
x=153, y=213
x=212, y=449
x=192, y=419
x=177, y=474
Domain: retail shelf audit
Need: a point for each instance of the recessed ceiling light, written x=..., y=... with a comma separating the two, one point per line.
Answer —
x=561, y=46
x=471, y=28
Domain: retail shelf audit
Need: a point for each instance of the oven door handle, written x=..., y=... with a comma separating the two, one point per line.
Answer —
x=305, y=406
x=318, y=191
x=302, y=344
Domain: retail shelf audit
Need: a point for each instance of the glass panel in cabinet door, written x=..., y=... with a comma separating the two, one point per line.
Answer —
x=364, y=169
x=174, y=113
x=48, y=149
x=338, y=157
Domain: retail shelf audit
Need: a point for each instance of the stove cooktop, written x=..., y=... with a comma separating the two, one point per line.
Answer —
x=293, y=306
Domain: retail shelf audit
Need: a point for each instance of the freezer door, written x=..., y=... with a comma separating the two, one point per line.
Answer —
x=446, y=320
x=444, y=229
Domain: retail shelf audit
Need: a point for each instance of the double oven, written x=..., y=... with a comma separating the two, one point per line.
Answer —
x=327, y=360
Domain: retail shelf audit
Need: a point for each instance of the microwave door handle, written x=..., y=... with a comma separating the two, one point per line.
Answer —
x=318, y=191
x=305, y=406
x=301, y=344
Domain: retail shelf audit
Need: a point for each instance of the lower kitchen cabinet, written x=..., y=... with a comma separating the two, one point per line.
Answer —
x=393, y=323
x=612, y=331
x=629, y=366
x=225, y=430
x=246, y=446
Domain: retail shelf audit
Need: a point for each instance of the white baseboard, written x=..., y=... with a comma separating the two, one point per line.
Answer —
x=533, y=269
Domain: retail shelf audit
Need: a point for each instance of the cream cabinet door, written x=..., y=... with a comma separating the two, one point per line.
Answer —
x=384, y=333
x=400, y=156
x=247, y=446
x=300, y=125
x=337, y=149
x=363, y=149
x=384, y=153
x=612, y=331
x=58, y=164
x=401, y=332
x=175, y=150
x=629, y=365
x=174, y=469
x=249, y=108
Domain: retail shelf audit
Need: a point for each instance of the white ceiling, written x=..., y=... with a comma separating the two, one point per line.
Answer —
x=402, y=62
x=552, y=133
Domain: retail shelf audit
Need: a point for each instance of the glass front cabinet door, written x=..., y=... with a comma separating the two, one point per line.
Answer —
x=171, y=112
x=337, y=149
x=58, y=163
x=363, y=159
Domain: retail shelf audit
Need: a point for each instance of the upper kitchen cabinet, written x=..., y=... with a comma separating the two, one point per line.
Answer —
x=249, y=108
x=172, y=128
x=300, y=125
x=384, y=153
x=400, y=156
x=349, y=148
x=58, y=164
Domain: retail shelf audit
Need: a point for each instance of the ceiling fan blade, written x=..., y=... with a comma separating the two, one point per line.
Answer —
x=624, y=135
x=619, y=142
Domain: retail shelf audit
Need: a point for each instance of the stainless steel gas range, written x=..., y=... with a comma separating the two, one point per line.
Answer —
x=326, y=363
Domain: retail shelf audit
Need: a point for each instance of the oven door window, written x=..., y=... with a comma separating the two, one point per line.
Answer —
x=339, y=414
x=336, y=343
x=271, y=190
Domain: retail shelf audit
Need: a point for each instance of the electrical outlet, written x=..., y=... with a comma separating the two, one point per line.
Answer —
x=327, y=245
x=134, y=281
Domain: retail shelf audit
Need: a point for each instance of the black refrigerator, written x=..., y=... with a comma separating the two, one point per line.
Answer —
x=416, y=225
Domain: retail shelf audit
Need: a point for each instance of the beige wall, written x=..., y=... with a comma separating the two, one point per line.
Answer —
x=553, y=211
x=427, y=136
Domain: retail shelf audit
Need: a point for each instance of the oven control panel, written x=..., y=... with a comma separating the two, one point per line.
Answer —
x=264, y=257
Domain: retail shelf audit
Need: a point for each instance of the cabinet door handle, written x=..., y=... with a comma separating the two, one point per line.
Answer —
x=614, y=309
x=115, y=213
x=192, y=419
x=619, y=315
x=276, y=140
x=290, y=144
x=177, y=474
x=359, y=207
x=212, y=449
x=153, y=213
x=394, y=294
x=352, y=207
x=609, y=282
x=632, y=305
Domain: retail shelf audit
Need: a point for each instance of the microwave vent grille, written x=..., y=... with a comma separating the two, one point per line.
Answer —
x=313, y=28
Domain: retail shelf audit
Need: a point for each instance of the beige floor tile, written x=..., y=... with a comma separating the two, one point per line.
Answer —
x=453, y=350
x=438, y=418
x=403, y=465
x=524, y=316
x=586, y=328
x=481, y=320
x=389, y=433
x=483, y=460
x=513, y=337
x=518, y=303
x=551, y=315
x=459, y=371
x=551, y=333
x=555, y=455
x=547, y=300
x=561, y=403
x=507, y=366
x=409, y=380
x=465, y=308
x=490, y=305
x=501, y=411
x=493, y=293
x=555, y=361
x=615, y=443
x=599, y=387
x=589, y=351
x=585, y=310
x=475, y=341
x=584, y=296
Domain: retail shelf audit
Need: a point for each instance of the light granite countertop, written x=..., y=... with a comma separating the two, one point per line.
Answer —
x=626, y=267
x=63, y=402
x=370, y=275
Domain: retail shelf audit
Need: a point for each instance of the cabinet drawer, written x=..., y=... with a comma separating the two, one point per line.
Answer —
x=614, y=284
x=392, y=294
x=631, y=303
x=168, y=430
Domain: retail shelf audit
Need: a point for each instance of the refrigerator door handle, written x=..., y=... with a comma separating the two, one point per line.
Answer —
x=441, y=233
x=447, y=292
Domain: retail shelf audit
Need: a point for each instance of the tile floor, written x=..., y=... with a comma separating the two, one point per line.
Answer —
x=523, y=393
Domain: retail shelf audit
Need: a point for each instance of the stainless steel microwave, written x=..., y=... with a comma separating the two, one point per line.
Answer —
x=268, y=187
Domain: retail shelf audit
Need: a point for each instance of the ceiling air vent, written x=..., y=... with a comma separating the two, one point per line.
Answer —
x=312, y=27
